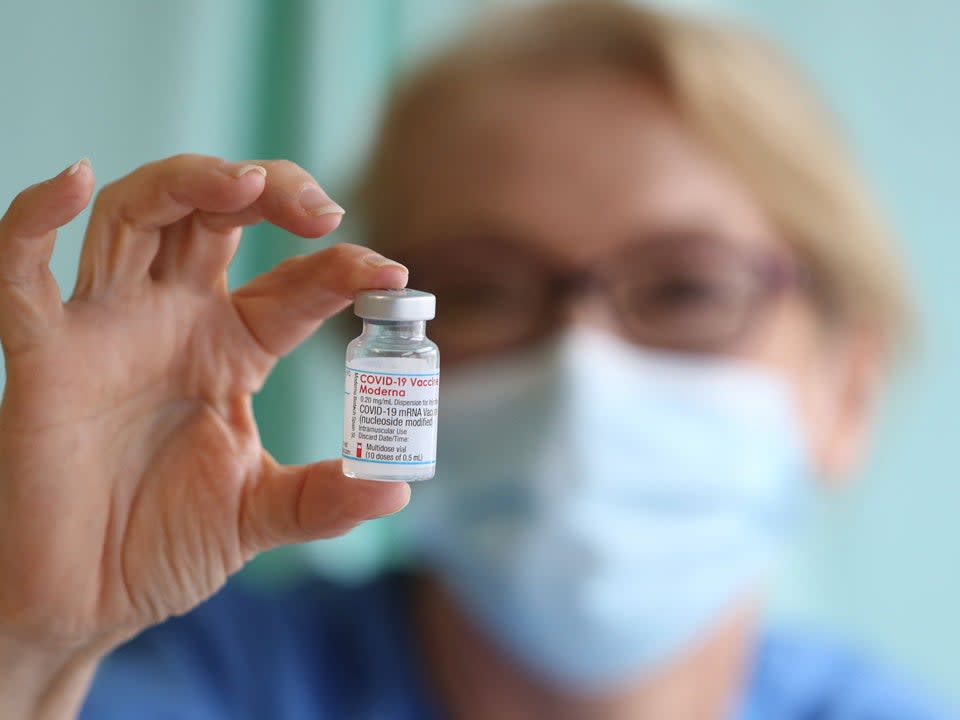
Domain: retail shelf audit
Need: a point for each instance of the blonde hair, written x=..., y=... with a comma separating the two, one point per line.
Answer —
x=730, y=87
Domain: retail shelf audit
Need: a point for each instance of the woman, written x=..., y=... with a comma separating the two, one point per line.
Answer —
x=665, y=308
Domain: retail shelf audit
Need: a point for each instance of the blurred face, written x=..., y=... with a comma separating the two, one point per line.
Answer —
x=576, y=513
x=584, y=200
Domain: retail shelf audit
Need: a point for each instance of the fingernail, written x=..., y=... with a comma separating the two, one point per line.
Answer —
x=378, y=261
x=73, y=169
x=315, y=202
x=239, y=171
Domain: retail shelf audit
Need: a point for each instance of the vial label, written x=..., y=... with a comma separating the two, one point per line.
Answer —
x=390, y=414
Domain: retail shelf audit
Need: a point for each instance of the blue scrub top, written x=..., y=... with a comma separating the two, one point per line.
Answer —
x=325, y=651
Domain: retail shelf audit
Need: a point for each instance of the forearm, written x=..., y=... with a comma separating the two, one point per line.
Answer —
x=38, y=685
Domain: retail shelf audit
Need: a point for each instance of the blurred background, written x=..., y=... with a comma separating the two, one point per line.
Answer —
x=128, y=81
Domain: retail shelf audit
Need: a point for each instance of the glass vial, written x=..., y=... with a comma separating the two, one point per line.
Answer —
x=392, y=389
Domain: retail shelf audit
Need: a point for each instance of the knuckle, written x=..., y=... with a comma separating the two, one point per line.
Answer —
x=181, y=159
x=108, y=205
x=20, y=199
x=105, y=197
x=286, y=166
x=18, y=206
x=342, y=253
x=174, y=166
x=290, y=264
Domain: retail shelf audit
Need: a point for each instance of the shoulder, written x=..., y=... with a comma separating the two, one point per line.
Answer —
x=250, y=653
x=800, y=675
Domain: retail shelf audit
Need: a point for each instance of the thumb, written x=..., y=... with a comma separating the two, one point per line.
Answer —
x=291, y=504
x=29, y=296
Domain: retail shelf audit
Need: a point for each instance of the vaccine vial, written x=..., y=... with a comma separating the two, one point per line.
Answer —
x=392, y=389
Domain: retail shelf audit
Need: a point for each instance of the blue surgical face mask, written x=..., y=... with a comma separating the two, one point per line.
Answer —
x=598, y=506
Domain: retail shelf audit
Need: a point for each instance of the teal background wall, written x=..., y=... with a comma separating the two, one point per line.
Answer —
x=882, y=562
x=126, y=81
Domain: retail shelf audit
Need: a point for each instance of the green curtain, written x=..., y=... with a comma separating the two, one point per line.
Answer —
x=127, y=81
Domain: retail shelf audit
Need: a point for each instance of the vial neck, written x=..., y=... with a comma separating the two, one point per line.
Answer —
x=387, y=330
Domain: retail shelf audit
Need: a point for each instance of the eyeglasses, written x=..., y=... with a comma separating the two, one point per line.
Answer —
x=690, y=294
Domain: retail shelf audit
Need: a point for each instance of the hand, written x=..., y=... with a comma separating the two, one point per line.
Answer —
x=132, y=479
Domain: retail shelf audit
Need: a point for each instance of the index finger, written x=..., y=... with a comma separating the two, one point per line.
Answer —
x=160, y=193
x=285, y=305
x=291, y=199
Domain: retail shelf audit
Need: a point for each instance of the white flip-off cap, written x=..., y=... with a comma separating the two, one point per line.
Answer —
x=400, y=305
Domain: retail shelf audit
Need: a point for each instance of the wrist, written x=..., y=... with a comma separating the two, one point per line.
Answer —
x=39, y=684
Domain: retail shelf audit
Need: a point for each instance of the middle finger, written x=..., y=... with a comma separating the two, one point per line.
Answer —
x=198, y=249
x=129, y=215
